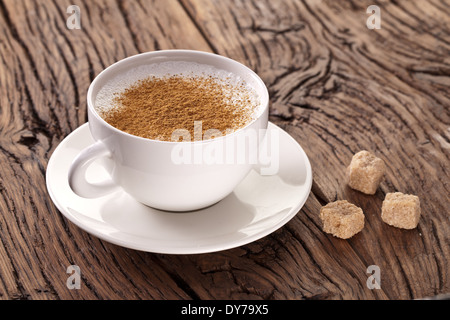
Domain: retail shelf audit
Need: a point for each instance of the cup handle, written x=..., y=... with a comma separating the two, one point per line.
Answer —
x=77, y=173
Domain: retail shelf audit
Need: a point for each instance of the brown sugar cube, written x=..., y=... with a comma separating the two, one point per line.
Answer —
x=401, y=210
x=365, y=172
x=342, y=219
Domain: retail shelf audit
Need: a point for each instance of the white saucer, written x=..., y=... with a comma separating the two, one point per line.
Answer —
x=257, y=207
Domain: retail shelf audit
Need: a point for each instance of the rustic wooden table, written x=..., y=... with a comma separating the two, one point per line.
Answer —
x=335, y=85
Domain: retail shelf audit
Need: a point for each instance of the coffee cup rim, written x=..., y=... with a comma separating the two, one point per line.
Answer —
x=264, y=94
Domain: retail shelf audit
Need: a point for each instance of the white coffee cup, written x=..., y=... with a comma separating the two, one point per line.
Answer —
x=146, y=169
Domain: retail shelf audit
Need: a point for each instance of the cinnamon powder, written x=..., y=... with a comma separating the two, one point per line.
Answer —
x=155, y=107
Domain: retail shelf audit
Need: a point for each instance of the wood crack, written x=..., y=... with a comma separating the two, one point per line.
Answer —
x=198, y=26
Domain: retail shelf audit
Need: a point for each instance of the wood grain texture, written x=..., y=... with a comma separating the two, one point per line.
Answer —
x=335, y=86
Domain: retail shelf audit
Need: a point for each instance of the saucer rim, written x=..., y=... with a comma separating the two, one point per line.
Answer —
x=175, y=249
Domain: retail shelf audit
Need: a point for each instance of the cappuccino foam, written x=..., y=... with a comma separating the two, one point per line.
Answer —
x=234, y=88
